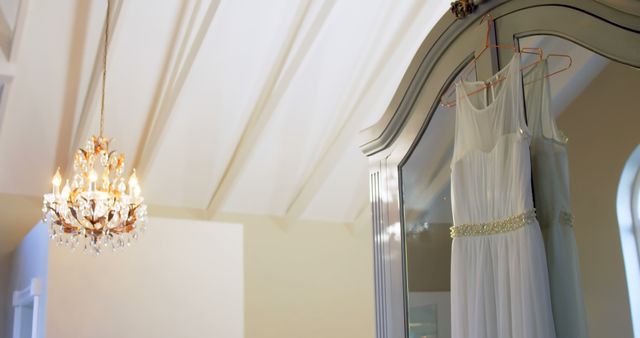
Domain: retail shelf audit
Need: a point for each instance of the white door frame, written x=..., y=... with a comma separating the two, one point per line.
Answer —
x=23, y=298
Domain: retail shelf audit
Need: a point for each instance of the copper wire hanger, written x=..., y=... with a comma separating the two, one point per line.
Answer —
x=487, y=45
x=565, y=68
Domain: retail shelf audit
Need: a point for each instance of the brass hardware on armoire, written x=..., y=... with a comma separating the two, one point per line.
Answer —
x=462, y=8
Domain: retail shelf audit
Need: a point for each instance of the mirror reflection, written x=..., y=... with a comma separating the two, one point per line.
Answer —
x=587, y=117
x=592, y=106
x=427, y=215
x=426, y=186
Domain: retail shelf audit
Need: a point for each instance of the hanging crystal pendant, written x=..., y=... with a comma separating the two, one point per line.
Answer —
x=98, y=210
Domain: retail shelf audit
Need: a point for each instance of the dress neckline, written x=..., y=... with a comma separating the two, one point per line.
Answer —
x=506, y=69
x=516, y=136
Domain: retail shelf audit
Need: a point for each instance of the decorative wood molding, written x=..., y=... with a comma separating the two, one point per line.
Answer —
x=388, y=252
x=383, y=134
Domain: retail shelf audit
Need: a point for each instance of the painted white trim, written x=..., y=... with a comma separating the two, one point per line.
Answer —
x=22, y=298
x=18, y=29
x=628, y=232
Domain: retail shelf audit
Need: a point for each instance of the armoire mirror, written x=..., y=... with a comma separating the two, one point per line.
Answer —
x=599, y=148
x=593, y=104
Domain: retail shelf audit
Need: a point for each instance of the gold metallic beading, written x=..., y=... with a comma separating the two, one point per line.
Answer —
x=501, y=226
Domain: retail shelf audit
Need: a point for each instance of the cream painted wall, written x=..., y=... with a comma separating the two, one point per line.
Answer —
x=308, y=279
x=602, y=126
x=182, y=279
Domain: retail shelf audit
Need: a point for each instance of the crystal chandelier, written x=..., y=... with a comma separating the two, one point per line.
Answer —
x=98, y=209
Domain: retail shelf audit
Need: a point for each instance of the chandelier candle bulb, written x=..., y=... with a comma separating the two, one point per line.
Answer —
x=66, y=191
x=134, y=187
x=93, y=177
x=55, y=182
x=122, y=187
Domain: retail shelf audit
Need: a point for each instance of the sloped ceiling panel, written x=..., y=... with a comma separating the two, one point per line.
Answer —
x=306, y=114
x=230, y=106
x=217, y=97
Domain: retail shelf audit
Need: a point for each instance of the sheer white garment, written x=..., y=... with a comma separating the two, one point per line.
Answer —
x=550, y=173
x=499, y=282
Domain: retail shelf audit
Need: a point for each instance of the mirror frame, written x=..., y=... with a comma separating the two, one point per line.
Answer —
x=614, y=25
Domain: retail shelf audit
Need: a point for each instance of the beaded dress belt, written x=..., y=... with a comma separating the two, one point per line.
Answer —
x=566, y=218
x=497, y=227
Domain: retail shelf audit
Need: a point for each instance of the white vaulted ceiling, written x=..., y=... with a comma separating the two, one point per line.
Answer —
x=229, y=106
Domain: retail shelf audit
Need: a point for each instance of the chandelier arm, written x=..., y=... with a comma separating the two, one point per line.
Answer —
x=60, y=221
x=128, y=225
x=68, y=227
x=75, y=216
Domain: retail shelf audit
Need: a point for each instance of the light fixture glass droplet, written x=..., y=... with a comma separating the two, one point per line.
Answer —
x=97, y=210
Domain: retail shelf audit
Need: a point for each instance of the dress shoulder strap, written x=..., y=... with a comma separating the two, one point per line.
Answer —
x=514, y=109
x=538, y=104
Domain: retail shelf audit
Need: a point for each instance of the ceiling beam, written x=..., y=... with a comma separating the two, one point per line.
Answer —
x=5, y=34
x=275, y=86
x=11, y=48
x=76, y=50
x=7, y=74
x=91, y=96
x=174, y=75
x=10, y=37
x=18, y=29
x=347, y=131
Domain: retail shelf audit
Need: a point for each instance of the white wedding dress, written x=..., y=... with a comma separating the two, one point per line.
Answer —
x=550, y=170
x=499, y=282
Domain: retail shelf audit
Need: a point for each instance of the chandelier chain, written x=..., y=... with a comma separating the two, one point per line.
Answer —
x=104, y=65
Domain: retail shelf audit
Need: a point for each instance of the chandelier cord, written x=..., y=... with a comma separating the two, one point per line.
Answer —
x=104, y=65
x=98, y=208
